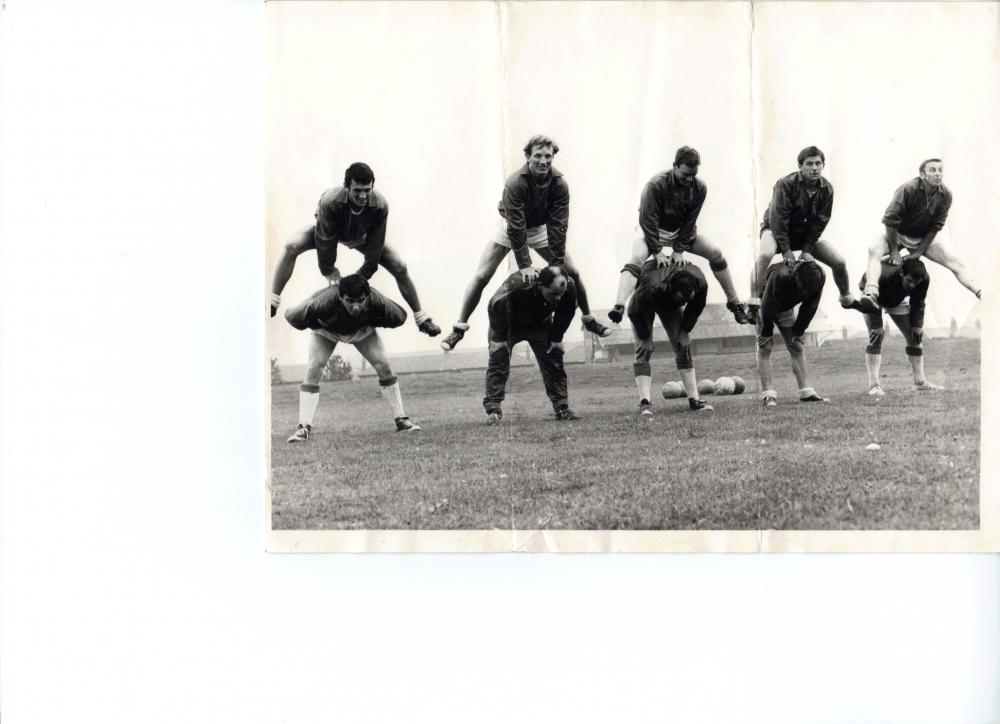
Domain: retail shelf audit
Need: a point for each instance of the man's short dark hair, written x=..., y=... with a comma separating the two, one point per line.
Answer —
x=549, y=274
x=354, y=286
x=811, y=151
x=360, y=173
x=923, y=165
x=683, y=282
x=686, y=156
x=809, y=278
x=914, y=268
x=540, y=140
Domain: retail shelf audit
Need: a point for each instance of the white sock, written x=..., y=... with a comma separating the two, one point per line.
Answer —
x=917, y=364
x=806, y=392
x=464, y=326
x=643, y=383
x=873, y=362
x=768, y=393
x=307, y=406
x=690, y=383
x=586, y=317
x=419, y=316
x=392, y=395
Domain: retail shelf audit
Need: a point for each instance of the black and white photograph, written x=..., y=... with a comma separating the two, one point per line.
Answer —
x=556, y=276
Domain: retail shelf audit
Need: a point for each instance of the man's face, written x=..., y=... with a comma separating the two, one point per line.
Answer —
x=910, y=283
x=680, y=297
x=359, y=193
x=811, y=168
x=685, y=174
x=355, y=305
x=933, y=173
x=540, y=160
x=554, y=292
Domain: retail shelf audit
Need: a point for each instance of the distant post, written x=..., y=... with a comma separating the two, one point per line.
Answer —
x=953, y=331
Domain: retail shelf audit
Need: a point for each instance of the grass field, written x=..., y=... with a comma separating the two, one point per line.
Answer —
x=794, y=467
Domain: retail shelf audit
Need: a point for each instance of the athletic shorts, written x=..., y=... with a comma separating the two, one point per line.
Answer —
x=538, y=237
x=350, y=338
x=899, y=310
x=669, y=238
x=907, y=242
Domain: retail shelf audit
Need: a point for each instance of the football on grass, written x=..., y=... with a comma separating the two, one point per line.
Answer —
x=672, y=390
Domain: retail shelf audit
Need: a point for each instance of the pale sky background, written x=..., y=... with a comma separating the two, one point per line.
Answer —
x=440, y=98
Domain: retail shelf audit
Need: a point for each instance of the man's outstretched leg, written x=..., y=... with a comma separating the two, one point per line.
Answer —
x=629, y=278
x=395, y=265
x=493, y=254
x=826, y=253
x=766, y=250
x=372, y=350
x=940, y=253
x=720, y=267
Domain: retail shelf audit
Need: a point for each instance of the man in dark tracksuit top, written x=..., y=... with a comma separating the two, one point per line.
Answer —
x=800, y=209
x=788, y=285
x=348, y=312
x=676, y=294
x=354, y=215
x=539, y=312
x=897, y=284
x=916, y=214
x=535, y=212
x=668, y=215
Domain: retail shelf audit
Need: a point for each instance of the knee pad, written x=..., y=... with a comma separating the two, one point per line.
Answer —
x=632, y=269
x=641, y=369
x=642, y=356
x=387, y=381
x=683, y=357
x=718, y=266
x=914, y=351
